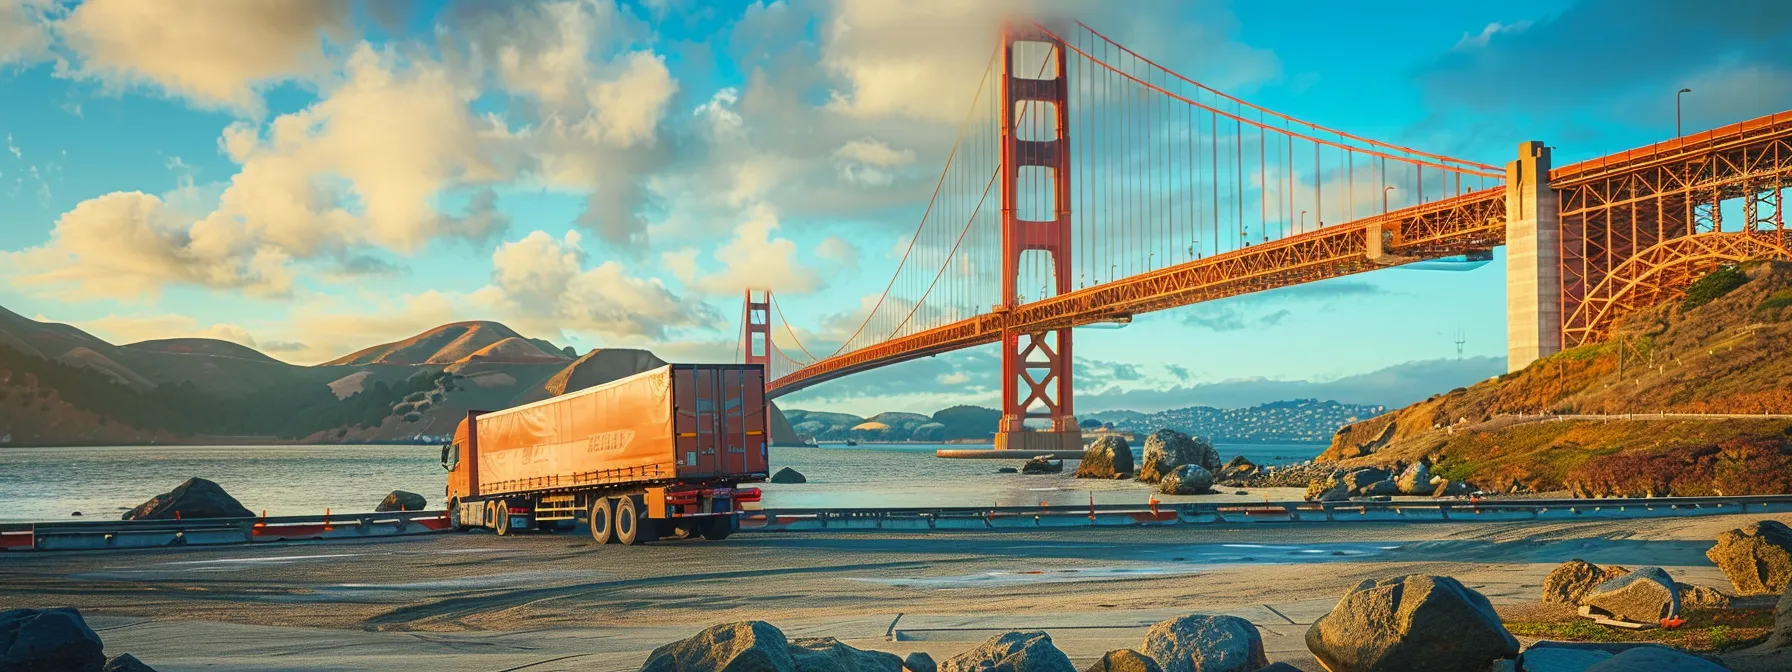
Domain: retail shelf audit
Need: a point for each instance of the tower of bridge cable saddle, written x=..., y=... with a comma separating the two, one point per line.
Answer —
x=1036, y=364
x=756, y=329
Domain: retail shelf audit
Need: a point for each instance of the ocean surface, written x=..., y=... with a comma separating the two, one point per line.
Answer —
x=41, y=484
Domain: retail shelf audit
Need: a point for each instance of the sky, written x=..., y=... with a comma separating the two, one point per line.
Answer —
x=310, y=177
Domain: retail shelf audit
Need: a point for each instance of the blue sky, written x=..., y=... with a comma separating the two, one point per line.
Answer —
x=313, y=177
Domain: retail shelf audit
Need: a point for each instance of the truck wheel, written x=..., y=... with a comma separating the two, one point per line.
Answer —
x=603, y=528
x=454, y=518
x=502, y=521
x=628, y=522
x=717, y=528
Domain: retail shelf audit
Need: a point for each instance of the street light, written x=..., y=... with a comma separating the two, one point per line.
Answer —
x=1677, y=94
x=1303, y=222
x=1384, y=198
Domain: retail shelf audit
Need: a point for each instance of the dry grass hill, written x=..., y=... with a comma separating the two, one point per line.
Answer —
x=1726, y=348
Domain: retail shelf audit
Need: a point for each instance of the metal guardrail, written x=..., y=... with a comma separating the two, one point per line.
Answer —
x=92, y=535
x=122, y=534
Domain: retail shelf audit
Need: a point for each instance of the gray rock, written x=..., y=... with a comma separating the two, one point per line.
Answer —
x=1108, y=457
x=920, y=662
x=747, y=646
x=126, y=663
x=1449, y=488
x=1700, y=597
x=826, y=654
x=196, y=498
x=1202, y=643
x=1167, y=449
x=1654, y=659
x=1571, y=580
x=48, y=639
x=1757, y=557
x=1187, y=479
x=1416, y=479
x=400, y=500
x=1383, y=488
x=1646, y=595
x=1124, y=660
x=1782, y=623
x=1359, y=481
x=1239, y=468
x=1042, y=465
x=788, y=475
x=1411, y=622
x=1007, y=470
x=1559, y=659
x=1011, y=652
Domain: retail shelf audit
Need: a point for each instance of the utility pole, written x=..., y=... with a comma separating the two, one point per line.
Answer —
x=1677, y=95
x=1461, y=339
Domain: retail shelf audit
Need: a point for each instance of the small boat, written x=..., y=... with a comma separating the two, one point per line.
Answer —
x=851, y=442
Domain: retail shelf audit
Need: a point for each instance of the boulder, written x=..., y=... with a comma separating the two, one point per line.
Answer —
x=1042, y=464
x=1011, y=652
x=1774, y=654
x=747, y=646
x=48, y=639
x=1007, y=470
x=1167, y=449
x=1381, y=489
x=1108, y=457
x=826, y=654
x=1654, y=659
x=920, y=662
x=1416, y=479
x=1645, y=595
x=1571, y=580
x=1782, y=624
x=1124, y=660
x=1756, y=557
x=1700, y=597
x=1238, y=468
x=196, y=498
x=1359, y=481
x=1202, y=643
x=1327, y=490
x=1280, y=667
x=126, y=663
x=1548, y=656
x=1411, y=622
x=788, y=475
x=400, y=500
x=1448, y=488
x=1187, y=479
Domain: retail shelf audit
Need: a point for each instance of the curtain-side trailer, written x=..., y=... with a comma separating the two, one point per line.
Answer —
x=660, y=454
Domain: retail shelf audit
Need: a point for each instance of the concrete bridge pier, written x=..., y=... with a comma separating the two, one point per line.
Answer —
x=1533, y=259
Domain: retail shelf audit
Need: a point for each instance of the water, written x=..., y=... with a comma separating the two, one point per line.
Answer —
x=101, y=483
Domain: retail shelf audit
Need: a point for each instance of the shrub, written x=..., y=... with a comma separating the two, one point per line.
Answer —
x=412, y=417
x=1750, y=465
x=1715, y=284
x=1775, y=301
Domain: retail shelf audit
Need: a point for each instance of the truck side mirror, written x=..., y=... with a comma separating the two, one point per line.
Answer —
x=450, y=457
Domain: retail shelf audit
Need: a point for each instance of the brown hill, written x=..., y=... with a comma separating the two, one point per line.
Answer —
x=201, y=346
x=595, y=368
x=511, y=350
x=88, y=359
x=444, y=345
x=1565, y=422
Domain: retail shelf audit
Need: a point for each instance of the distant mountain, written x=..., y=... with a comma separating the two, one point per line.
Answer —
x=1393, y=386
x=62, y=386
x=1294, y=421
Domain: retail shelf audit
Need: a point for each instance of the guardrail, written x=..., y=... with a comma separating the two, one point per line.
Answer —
x=121, y=534
x=91, y=535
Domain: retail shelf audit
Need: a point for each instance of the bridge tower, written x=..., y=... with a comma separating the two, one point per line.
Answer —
x=756, y=329
x=1036, y=366
x=1533, y=259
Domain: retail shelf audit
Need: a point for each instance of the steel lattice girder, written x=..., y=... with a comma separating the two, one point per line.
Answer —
x=1662, y=273
x=1467, y=223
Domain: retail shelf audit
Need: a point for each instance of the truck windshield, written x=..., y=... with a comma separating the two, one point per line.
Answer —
x=450, y=456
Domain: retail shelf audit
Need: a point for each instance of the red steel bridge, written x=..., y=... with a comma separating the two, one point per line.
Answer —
x=1089, y=184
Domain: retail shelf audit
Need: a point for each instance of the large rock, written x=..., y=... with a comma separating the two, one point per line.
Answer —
x=1645, y=595
x=919, y=661
x=1416, y=479
x=1655, y=659
x=1202, y=643
x=1447, y=488
x=1411, y=622
x=1360, y=481
x=126, y=663
x=1756, y=557
x=1327, y=490
x=1782, y=624
x=196, y=498
x=1042, y=464
x=1108, y=457
x=1187, y=479
x=826, y=654
x=400, y=500
x=747, y=646
x=1239, y=468
x=48, y=639
x=1125, y=660
x=1571, y=580
x=788, y=475
x=1011, y=652
x=1381, y=488
x=1700, y=597
x=1167, y=449
x=1774, y=654
x=1548, y=656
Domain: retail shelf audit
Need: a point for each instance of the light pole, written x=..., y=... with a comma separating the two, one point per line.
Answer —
x=1384, y=199
x=1677, y=95
x=1303, y=222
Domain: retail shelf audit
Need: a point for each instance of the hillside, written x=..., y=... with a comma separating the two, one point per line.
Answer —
x=203, y=346
x=1294, y=421
x=1725, y=349
x=448, y=344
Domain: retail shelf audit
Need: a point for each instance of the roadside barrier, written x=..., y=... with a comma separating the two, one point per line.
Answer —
x=95, y=535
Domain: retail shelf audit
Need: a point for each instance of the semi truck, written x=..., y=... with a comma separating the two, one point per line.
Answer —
x=660, y=454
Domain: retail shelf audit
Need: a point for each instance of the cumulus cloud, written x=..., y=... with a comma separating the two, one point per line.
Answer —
x=754, y=257
x=869, y=161
x=217, y=54
x=545, y=285
x=629, y=107
x=24, y=30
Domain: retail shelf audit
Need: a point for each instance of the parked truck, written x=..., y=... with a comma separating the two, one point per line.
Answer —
x=660, y=454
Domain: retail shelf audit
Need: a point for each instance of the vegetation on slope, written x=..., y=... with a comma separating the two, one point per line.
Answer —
x=1725, y=349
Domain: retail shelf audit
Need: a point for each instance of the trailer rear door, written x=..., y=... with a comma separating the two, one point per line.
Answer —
x=721, y=420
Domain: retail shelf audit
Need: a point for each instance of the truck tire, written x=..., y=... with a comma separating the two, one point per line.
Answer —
x=454, y=518
x=628, y=521
x=603, y=521
x=716, y=528
x=501, y=523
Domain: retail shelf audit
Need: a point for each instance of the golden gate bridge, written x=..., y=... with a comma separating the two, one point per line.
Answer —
x=1088, y=184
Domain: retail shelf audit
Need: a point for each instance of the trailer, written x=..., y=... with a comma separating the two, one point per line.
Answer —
x=657, y=455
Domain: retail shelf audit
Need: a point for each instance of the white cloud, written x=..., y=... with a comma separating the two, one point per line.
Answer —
x=544, y=285
x=869, y=161
x=720, y=120
x=1488, y=32
x=752, y=258
x=629, y=107
x=216, y=54
x=24, y=30
x=839, y=251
